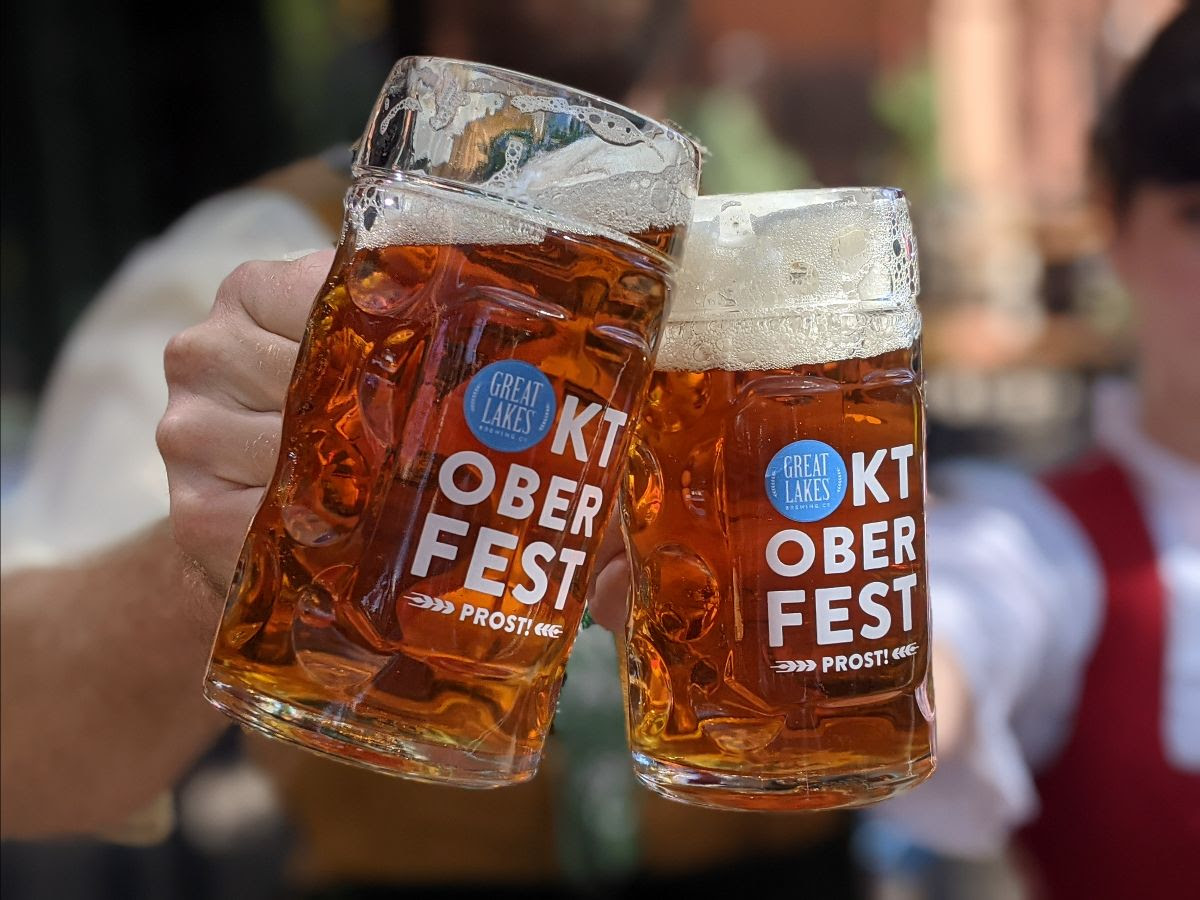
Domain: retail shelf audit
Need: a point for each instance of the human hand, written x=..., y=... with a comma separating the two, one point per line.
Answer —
x=608, y=600
x=227, y=379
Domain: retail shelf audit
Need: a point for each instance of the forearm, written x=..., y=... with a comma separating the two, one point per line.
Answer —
x=100, y=671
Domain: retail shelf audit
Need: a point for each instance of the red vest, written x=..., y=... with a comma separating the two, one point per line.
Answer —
x=1117, y=819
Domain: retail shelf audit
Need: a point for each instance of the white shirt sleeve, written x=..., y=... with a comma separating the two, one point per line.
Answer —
x=1015, y=591
x=94, y=474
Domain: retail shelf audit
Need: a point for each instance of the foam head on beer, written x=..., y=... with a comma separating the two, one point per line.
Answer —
x=778, y=647
x=794, y=277
x=456, y=425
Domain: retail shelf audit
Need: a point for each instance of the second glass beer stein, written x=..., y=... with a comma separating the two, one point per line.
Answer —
x=456, y=424
x=778, y=646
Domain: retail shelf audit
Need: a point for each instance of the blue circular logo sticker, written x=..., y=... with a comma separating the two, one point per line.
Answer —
x=806, y=481
x=510, y=405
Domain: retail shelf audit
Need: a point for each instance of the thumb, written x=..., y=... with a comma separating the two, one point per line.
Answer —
x=609, y=601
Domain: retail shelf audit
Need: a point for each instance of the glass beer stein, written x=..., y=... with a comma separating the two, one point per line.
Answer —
x=455, y=427
x=778, y=645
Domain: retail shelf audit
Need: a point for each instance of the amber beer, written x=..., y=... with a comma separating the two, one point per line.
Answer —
x=778, y=651
x=454, y=432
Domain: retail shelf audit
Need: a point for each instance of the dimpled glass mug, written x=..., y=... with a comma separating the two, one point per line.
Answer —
x=778, y=647
x=453, y=435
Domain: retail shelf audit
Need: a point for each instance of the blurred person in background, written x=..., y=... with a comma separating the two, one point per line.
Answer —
x=106, y=624
x=1067, y=608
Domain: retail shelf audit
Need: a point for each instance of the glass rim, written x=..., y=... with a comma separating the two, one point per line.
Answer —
x=559, y=87
x=818, y=195
x=555, y=149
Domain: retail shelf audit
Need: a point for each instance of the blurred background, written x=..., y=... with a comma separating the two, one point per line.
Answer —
x=118, y=117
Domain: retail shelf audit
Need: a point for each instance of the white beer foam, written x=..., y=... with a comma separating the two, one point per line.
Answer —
x=411, y=214
x=628, y=188
x=790, y=278
x=619, y=188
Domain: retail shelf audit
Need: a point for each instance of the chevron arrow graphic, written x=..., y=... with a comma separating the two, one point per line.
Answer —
x=795, y=665
x=424, y=601
x=421, y=601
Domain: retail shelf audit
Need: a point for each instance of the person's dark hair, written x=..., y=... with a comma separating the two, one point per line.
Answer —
x=1150, y=130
